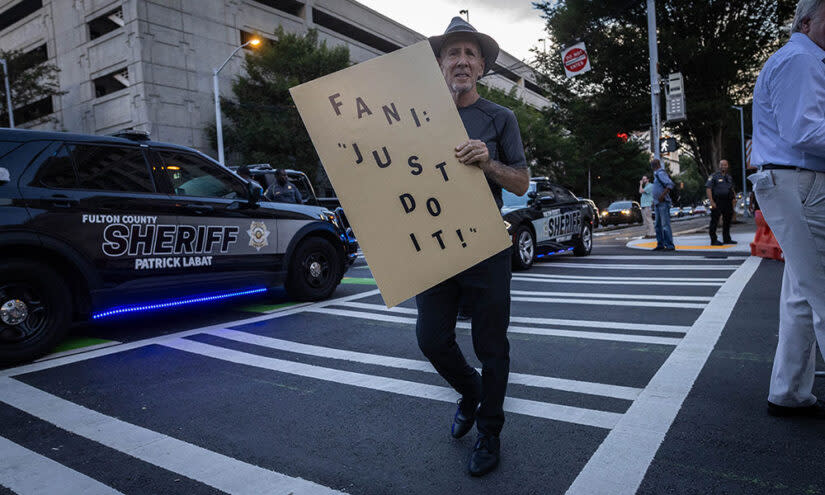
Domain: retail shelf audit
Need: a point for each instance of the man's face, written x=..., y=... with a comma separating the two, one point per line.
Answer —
x=644, y=179
x=461, y=63
x=281, y=177
x=815, y=27
x=724, y=166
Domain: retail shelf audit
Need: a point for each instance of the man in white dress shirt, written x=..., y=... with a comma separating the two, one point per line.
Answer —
x=789, y=148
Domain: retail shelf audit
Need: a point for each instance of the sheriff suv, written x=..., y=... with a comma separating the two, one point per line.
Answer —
x=93, y=227
x=548, y=219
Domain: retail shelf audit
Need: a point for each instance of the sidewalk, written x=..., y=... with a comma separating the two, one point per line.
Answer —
x=698, y=239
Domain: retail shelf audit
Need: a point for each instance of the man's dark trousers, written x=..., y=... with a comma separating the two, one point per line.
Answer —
x=725, y=210
x=488, y=286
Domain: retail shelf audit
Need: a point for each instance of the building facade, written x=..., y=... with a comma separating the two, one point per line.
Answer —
x=147, y=64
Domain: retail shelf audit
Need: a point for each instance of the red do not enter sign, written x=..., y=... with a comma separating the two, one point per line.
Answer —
x=575, y=60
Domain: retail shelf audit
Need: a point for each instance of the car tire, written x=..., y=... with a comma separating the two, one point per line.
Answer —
x=524, y=248
x=585, y=244
x=315, y=270
x=35, y=310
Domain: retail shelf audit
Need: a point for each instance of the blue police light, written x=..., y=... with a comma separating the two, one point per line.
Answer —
x=175, y=302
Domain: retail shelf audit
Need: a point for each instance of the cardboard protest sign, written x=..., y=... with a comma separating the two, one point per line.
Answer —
x=386, y=132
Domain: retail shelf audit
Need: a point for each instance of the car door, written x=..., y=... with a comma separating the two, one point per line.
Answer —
x=100, y=199
x=565, y=219
x=227, y=238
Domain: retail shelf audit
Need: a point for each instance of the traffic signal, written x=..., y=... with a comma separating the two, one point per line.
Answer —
x=669, y=145
x=622, y=136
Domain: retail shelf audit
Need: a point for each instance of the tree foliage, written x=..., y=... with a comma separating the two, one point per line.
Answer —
x=263, y=124
x=29, y=81
x=718, y=47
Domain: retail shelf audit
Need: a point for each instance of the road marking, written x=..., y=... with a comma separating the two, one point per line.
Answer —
x=669, y=258
x=569, y=414
x=591, y=388
x=609, y=302
x=613, y=325
x=216, y=470
x=617, y=266
x=596, y=295
x=53, y=363
x=28, y=473
x=549, y=332
x=621, y=461
x=626, y=279
x=554, y=280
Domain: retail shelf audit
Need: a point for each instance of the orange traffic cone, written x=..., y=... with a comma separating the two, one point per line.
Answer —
x=764, y=243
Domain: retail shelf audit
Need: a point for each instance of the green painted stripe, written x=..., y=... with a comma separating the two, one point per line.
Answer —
x=358, y=281
x=263, y=308
x=78, y=343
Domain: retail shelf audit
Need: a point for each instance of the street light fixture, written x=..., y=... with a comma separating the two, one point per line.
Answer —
x=465, y=12
x=8, y=92
x=218, y=124
x=742, y=139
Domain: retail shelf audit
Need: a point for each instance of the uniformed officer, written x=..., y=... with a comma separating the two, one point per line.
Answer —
x=719, y=188
x=283, y=191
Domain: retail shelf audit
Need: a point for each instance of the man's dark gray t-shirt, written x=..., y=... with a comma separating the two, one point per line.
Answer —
x=498, y=128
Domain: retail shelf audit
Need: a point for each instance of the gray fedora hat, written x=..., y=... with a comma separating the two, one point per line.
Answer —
x=489, y=47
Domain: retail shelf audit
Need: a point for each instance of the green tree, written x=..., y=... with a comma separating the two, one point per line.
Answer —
x=263, y=125
x=29, y=81
x=718, y=47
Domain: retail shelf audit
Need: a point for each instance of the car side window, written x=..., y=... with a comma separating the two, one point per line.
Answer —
x=563, y=195
x=111, y=168
x=57, y=171
x=191, y=175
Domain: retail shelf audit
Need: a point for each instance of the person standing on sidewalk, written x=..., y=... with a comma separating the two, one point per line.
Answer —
x=662, y=186
x=646, y=201
x=464, y=56
x=720, y=192
x=789, y=149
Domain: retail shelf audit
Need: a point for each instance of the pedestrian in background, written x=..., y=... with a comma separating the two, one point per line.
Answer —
x=464, y=56
x=662, y=185
x=720, y=192
x=789, y=149
x=646, y=202
x=283, y=191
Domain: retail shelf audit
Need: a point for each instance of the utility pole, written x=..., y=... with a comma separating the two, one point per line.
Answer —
x=655, y=131
x=742, y=140
x=8, y=92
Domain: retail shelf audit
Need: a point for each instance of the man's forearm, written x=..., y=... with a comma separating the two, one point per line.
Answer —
x=515, y=180
x=709, y=195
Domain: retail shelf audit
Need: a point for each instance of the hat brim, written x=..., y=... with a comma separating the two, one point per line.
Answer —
x=489, y=47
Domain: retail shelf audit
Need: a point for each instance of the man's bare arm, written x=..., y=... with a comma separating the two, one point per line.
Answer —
x=475, y=152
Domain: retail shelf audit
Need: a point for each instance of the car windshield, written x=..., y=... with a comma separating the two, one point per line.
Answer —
x=620, y=205
x=514, y=201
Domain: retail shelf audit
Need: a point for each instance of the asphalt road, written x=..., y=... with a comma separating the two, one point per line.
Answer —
x=631, y=372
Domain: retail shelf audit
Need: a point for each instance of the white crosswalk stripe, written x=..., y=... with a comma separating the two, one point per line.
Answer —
x=216, y=470
x=29, y=473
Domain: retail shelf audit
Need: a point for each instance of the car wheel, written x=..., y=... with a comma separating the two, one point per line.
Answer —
x=35, y=310
x=585, y=244
x=314, y=270
x=525, y=248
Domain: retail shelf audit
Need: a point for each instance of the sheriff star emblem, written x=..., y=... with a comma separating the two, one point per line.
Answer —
x=258, y=234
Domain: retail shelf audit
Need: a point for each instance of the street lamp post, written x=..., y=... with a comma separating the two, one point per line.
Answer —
x=654, y=79
x=218, y=124
x=465, y=12
x=8, y=92
x=588, y=171
x=742, y=140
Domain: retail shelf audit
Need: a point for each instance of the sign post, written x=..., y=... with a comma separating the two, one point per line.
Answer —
x=386, y=132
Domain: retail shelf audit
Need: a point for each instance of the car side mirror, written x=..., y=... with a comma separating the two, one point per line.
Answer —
x=255, y=193
x=547, y=199
x=532, y=194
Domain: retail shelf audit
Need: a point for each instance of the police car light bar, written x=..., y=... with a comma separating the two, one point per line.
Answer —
x=173, y=303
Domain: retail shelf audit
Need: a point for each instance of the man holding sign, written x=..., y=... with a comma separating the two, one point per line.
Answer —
x=464, y=56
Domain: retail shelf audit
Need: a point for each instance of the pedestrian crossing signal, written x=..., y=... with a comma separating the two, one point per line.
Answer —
x=622, y=136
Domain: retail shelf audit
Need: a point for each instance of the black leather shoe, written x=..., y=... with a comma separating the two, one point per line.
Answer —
x=485, y=455
x=463, y=420
x=815, y=410
x=729, y=241
x=463, y=316
x=659, y=248
x=715, y=243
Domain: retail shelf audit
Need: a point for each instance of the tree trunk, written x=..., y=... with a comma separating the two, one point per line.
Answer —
x=711, y=149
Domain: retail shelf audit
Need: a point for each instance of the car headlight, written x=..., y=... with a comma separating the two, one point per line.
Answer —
x=604, y=213
x=328, y=216
x=625, y=212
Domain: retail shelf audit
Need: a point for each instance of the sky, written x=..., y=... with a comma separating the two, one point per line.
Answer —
x=515, y=24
